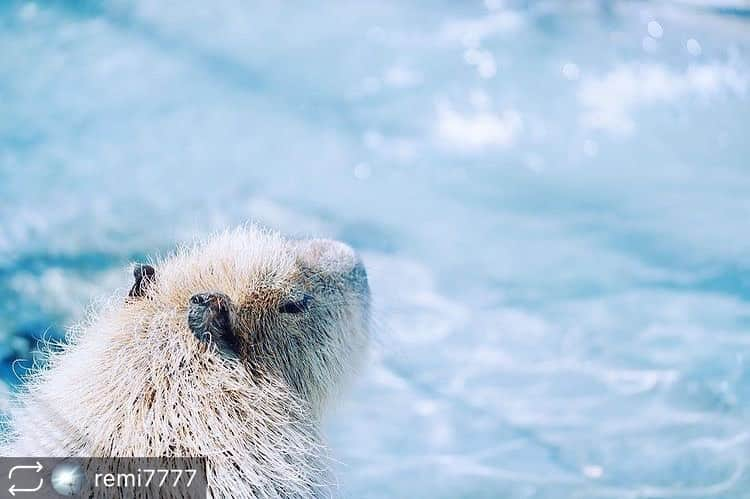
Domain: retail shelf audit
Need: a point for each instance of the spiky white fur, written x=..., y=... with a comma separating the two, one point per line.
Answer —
x=135, y=382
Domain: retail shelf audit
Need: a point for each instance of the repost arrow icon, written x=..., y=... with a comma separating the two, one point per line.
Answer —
x=37, y=467
x=13, y=488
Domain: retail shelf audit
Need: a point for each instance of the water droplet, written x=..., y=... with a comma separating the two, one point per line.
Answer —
x=592, y=471
x=693, y=47
x=655, y=29
x=570, y=71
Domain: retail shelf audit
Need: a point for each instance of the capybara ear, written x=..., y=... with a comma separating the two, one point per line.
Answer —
x=144, y=275
x=211, y=319
x=326, y=255
x=326, y=259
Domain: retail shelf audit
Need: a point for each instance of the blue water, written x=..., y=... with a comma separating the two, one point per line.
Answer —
x=552, y=198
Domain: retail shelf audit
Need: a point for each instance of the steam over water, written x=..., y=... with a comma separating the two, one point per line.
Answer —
x=552, y=199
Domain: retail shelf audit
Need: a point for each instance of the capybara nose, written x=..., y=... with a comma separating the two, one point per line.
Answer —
x=210, y=319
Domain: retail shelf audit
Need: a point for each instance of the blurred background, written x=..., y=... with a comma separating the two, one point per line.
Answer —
x=552, y=198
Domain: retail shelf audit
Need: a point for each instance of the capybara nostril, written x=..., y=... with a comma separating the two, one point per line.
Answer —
x=199, y=299
x=214, y=300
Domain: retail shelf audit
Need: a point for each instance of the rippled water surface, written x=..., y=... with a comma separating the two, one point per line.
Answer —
x=552, y=198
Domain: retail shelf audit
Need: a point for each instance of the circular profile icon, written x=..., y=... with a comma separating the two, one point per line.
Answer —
x=67, y=479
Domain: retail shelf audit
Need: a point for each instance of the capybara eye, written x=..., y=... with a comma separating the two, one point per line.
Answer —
x=295, y=306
